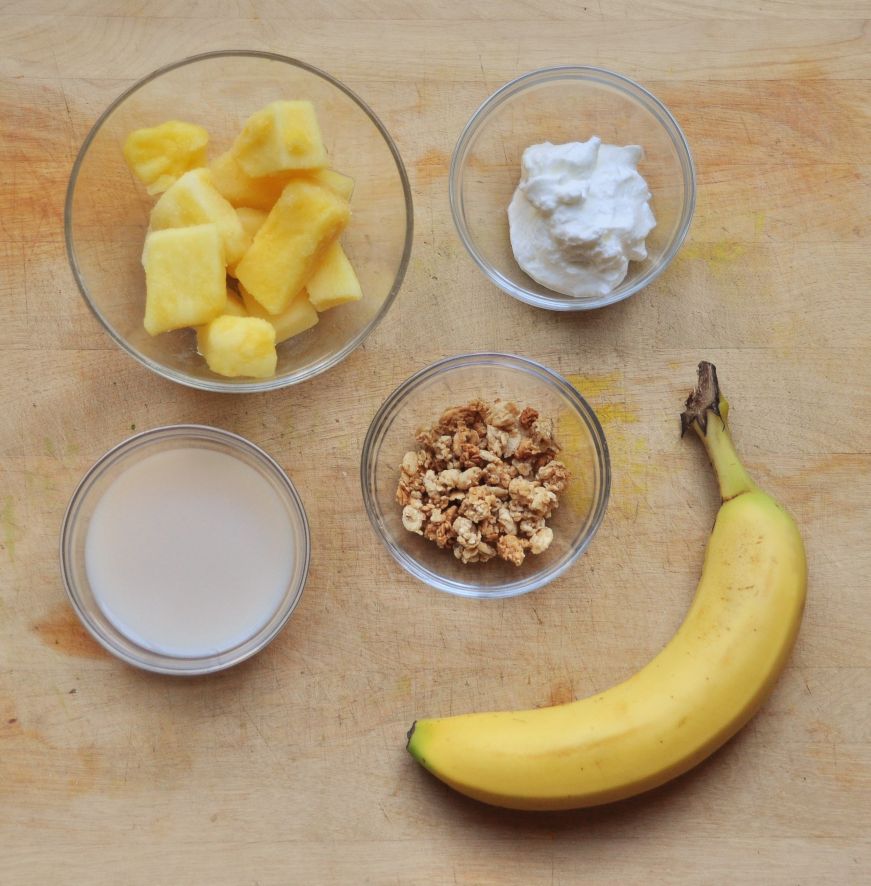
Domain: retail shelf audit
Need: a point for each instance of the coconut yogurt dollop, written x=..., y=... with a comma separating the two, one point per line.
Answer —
x=580, y=214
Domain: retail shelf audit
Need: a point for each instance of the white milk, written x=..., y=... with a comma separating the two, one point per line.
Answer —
x=189, y=552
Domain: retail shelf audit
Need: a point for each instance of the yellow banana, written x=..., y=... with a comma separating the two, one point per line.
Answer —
x=697, y=693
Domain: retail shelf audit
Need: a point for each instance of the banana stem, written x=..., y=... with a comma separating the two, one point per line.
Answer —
x=706, y=412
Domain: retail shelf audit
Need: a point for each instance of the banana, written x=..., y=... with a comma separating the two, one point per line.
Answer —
x=696, y=694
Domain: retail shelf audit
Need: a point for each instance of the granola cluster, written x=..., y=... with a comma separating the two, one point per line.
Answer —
x=483, y=482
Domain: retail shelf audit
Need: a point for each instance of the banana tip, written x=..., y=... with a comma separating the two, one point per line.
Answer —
x=705, y=396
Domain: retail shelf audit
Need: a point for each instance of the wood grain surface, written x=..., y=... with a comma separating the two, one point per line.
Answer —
x=291, y=768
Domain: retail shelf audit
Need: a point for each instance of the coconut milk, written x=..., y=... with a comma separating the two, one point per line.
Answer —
x=189, y=552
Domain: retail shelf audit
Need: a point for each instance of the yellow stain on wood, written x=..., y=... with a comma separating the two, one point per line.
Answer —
x=785, y=332
x=592, y=386
x=607, y=396
x=758, y=224
x=11, y=530
x=611, y=413
x=720, y=256
x=630, y=467
x=38, y=481
x=717, y=256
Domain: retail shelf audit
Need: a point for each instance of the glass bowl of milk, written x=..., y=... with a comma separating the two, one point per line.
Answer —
x=185, y=549
x=566, y=111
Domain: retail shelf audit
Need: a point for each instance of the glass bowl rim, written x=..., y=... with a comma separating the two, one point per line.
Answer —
x=216, y=385
x=157, y=662
x=383, y=417
x=552, y=74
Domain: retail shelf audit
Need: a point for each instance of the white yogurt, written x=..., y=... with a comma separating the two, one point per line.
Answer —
x=189, y=552
x=580, y=214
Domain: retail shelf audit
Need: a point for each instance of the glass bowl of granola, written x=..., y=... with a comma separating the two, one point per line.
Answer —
x=485, y=475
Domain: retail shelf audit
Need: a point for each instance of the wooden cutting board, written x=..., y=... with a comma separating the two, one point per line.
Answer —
x=291, y=768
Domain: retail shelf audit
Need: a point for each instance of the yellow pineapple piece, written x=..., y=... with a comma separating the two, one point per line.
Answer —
x=235, y=346
x=334, y=282
x=242, y=190
x=185, y=282
x=283, y=135
x=298, y=316
x=342, y=184
x=193, y=200
x=286, y=251
x=160, y=154
x=235, y=306
x=252, y=221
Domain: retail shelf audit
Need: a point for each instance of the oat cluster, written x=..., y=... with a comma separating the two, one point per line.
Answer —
x=483, y=482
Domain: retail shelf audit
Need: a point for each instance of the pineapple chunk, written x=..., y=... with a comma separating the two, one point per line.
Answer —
x=235, y=306
x=161, y=154
x=252, y=221
x=243, y=190
x=306, y=219
x=334, y=282
x=298, y=316
x=193, y=200
x=235, y=346
x=283, y=135
x=184, y=278
x=342, y=184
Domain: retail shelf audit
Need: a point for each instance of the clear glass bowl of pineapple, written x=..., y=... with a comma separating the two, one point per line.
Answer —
x=238, y=221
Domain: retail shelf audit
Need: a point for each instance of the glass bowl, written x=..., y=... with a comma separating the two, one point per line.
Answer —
x=77, y=520
x=565, y=104
x=418, y=402
x=107, y=209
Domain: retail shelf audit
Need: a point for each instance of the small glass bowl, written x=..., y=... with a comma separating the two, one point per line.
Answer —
x=565, y=104
x=87, y=495
x=418, y=402
x=107, y=209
